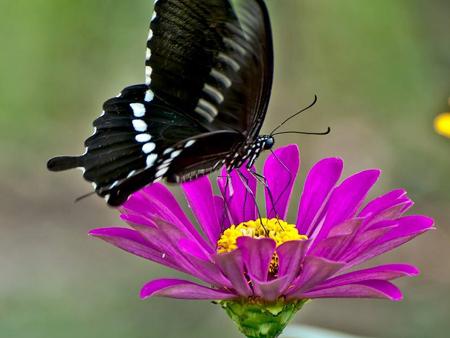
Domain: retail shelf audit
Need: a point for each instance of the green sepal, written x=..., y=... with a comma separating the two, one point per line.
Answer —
x=257, y=319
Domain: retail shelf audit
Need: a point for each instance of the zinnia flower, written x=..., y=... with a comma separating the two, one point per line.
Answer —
x=263, y=269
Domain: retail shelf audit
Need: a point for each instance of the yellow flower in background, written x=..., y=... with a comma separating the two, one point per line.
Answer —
x=442, y=123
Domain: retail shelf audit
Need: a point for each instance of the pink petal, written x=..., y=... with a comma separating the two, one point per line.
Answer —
x=363, y=241
x=201, y=200
x=392, y=212
x=257, y=254
x=280, y=171
x=232, y=267
x=408, y=228
x=367, y=289
x=182, y=289
x=187, y=245
x=222, y=212
x=331, y=248
x=346, y=199
x=147, y=203
x=381, y=272
x=168, y=235
x=158, y=191
x=320, y=181
x=240, y=194
x=134, y=243
x=134, y=219
x=208, y=271
x=315, y=271
x=339, y=240
x=384, y=201
x=290, y=257
x=272, y=290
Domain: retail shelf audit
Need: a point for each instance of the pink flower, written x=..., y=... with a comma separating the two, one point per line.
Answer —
x=340, y=231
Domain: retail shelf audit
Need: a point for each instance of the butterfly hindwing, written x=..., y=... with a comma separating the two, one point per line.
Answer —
x=183, y=162
x=131, y=135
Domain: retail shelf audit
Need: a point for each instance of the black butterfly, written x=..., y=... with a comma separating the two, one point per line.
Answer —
x=209, y=71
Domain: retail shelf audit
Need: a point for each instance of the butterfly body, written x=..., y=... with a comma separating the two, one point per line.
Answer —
x=208, y=78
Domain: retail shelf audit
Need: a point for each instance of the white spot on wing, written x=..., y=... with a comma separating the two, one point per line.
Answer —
x=214, y=93
x=235, y=45
x=151, y=160
x=139, y=125
x=138, y=109
x=142, y=138
x=168, y=151
x=148, y=75
x=222, y=78
x=148, y=147
x=175, y=154
x=229, y=61
x=204, y=113
x=189, y=143
x=207, y=106
x=162, y=172
x=149, y=96
x=164, y=165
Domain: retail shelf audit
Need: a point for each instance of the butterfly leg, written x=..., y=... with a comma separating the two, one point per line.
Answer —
x=261, y=179
x=249, y=191
x=226, y=207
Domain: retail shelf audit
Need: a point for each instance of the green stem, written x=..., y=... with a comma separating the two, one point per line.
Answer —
x=261, y=320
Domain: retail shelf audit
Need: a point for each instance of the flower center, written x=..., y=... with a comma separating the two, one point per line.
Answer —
x=276, y=229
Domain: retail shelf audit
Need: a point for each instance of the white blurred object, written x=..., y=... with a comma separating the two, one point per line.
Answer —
x=303, y=331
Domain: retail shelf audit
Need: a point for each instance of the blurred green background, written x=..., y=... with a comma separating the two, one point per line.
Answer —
x=381, y=69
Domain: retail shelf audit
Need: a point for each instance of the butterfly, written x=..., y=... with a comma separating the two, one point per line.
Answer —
x=208, y=80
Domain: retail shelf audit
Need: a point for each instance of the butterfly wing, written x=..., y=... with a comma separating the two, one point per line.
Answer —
x=178, y=164
x=126, y=140
x=255, y=22
x=208, y=79
x=213, y=60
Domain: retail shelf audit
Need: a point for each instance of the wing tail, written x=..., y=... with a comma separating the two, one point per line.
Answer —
x=120, y=144
x=62, y=163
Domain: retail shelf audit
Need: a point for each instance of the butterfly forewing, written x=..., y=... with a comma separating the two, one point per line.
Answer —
x=209, y=68
x=203, y=59
x=255, y=22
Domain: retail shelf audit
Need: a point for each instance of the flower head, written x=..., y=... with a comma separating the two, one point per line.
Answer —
x=240, y=257
x=442, y=124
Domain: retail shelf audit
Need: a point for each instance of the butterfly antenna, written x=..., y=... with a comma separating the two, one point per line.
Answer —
x=305, y=132
x=84, y=196
x=295, y=115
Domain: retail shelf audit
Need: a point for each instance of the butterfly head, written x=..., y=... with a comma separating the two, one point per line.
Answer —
x=267, y=142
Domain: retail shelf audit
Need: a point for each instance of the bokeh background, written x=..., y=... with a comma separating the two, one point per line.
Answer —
x=381, y=70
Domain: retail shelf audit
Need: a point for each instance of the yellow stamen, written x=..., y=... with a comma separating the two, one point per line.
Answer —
x=278, y=230
x=442, y=124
